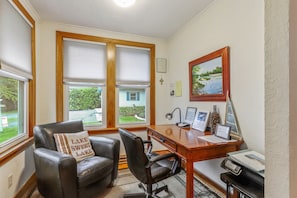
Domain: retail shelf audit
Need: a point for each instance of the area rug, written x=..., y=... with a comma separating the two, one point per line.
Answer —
x=127, y=183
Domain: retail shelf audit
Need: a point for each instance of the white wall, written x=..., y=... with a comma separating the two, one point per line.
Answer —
x=281, y=96
x=21, y=168
x=239, y=25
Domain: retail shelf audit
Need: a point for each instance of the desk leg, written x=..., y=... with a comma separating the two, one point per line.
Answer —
x=190, y=179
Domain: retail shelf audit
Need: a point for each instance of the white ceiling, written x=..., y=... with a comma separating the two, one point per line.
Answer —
x=155, y=18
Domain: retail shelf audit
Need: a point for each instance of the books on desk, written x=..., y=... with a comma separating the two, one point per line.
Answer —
x=250, y=159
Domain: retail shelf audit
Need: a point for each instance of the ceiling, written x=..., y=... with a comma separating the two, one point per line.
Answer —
x=154, y=18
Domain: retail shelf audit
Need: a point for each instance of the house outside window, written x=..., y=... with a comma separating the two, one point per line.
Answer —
x=132, y=106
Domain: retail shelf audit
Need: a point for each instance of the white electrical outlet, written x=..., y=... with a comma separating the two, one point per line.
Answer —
x=9, y=181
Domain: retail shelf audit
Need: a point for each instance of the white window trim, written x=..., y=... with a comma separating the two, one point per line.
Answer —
x=25, y=134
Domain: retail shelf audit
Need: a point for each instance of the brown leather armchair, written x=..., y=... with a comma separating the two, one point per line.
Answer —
x=60, y=175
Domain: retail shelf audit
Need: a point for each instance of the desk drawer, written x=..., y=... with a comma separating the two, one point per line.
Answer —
x=163, y=140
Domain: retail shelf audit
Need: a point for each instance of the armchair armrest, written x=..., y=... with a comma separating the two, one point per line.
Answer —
x=107, y=147
x=56, y=173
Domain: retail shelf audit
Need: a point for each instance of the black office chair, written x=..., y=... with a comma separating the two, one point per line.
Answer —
x=148, y=169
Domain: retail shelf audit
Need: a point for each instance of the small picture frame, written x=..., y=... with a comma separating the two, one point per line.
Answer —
x=201, y=120
x=190, y=115
x=223, y=131
x=161, y=65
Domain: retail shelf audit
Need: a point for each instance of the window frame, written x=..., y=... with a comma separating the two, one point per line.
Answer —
x=111, y=95
x=18, y=145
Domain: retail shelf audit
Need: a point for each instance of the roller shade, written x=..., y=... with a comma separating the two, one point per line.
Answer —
x=84, y=61
x=132, y=66
x=15, y=41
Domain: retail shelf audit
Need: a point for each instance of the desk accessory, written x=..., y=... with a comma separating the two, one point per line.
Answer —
x=189, y=118
x=169, y=116
x=201, y=120
x=223, y=131
x=190, y=115
x=214, y=119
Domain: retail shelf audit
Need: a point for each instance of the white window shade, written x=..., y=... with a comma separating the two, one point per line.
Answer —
x=133, y=65
x=84, y=61
x=15, y=39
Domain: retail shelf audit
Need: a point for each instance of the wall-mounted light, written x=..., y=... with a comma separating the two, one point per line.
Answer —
x=124, y=3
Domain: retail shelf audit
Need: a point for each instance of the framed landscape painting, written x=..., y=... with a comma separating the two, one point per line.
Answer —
x=209, y=76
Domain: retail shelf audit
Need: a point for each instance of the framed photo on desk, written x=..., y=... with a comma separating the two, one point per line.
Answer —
x=201, y=120
x=190, y=115
x=223, y=131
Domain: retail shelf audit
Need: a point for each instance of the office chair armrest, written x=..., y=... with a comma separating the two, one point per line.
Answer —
x=56, y=172
x=163, y=156
x=149, y=147
x=174, y=165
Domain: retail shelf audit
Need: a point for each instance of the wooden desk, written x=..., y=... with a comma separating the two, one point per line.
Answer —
x=184, y=142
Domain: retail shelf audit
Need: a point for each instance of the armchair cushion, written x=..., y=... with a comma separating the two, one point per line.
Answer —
x=93, y=169
x=76, y=144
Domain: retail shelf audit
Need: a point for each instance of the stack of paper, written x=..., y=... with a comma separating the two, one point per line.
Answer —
x=249, y=159
x=214, y=139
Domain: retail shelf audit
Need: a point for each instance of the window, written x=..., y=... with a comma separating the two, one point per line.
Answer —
x=106, y=83
x=85, y=103
x=132, y=106
x=17, y=85
x=133, y=96
x=133, y=80
x=84, y=78
x=12, y=106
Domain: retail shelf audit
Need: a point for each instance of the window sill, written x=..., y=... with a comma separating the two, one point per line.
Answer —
x=12, y=152
x=114, y=130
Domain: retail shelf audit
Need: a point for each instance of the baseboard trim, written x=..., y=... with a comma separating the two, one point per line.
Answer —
x=27, y=188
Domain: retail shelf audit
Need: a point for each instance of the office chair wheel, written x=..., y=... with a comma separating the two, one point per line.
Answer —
x=166, y=189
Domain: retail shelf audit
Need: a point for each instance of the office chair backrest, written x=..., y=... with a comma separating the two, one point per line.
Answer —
x=136, y=157
x=44, y=134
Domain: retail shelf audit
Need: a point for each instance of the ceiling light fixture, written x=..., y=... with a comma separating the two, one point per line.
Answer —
x=124, y=3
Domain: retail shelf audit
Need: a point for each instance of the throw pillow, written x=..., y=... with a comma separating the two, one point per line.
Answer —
x=76, y=144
